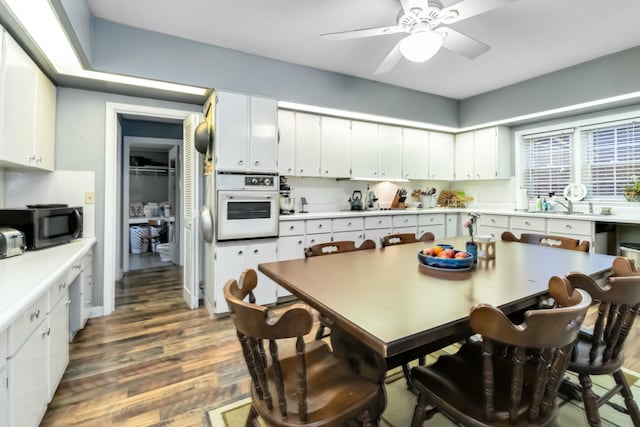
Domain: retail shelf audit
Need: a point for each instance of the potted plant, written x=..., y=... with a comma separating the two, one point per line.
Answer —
x=632, y=191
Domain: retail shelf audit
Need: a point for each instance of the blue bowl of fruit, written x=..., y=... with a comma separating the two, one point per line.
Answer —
x=448, y=257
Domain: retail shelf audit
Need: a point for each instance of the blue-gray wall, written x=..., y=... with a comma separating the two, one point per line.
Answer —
x=80, y=145
x=80, y=18
x=151, y=129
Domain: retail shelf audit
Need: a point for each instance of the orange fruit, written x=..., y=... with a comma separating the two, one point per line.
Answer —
x=437, y=250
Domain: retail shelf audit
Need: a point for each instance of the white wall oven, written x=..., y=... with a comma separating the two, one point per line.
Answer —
x=247, y=206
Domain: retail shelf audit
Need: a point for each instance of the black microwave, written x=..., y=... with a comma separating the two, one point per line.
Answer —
x=44, y=226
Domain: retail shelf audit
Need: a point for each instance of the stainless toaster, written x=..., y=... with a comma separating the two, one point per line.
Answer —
x=12, y=242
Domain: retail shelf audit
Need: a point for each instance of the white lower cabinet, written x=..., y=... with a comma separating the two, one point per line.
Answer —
x=377, y=226
x=28, y=379
x=492, y=225
x=230, y=260
x=451, y=226
x=58, y=341
x=4, y=397
x=289, y=247
x=348, y=229
x=314, y=239
x=526, y=224
x=405, y=223
x=80, y=279
x=575, y=229
x=432, y=223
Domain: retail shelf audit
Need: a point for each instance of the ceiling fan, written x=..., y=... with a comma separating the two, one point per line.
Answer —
x=421, y=19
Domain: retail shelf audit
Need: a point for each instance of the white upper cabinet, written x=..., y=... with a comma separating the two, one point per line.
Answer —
x=415, y=154
x=335, y=147
x=484, y=154
x=307, y=145
x=27, y=110
x=246, y=137
x=364, y=150
x=464, y=156
x=441, y=156
x=389, y=152
x=286, y=142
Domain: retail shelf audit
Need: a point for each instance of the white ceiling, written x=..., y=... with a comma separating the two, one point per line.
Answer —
x=528, y=38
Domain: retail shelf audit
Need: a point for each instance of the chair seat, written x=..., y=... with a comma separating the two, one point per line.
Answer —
x=455, y=382
x=334, y=391
x=580, y=363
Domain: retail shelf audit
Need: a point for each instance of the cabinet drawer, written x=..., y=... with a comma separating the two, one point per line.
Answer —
x=373, y=222
x=404, y=220
x=347, y=224
x=3, y=348
x=431, y=219
x=23, y=326
x=318, y=226
x=494, y=220
x=86, y=261
x=569, y=226
x=528, y=223
x=56, y=292
x=291, y=228
x=74, y=270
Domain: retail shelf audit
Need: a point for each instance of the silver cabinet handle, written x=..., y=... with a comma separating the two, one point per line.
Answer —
x=61, y=286
x=379, y=221
x=289, y=170
x=431, y=219
x=301, y=170
x=299, y=242
x=291, y=227
x=320, y=226
x=256, y=163
x=46, y=333
x=493, y=220
x=527, y=223
x=349, y=224
x=35, y=314
x=255, y=251
x=568, y=226
x=326, y=172
x=240, y=252
x=240, y=162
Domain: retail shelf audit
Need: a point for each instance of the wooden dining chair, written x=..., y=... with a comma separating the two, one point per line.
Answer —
x=512, y=376
x=600, y=351
x=329, y=248
x=401, y=238
x=306, y=386
x=548, y=240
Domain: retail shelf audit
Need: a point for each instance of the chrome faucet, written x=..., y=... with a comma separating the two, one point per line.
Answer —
x=568, y=206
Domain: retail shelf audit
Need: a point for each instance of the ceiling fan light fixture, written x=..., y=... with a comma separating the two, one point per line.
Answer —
x=421, y=46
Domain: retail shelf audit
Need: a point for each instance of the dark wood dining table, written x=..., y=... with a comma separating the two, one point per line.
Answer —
x=383, y=303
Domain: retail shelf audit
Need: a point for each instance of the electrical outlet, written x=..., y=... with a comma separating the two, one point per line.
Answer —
x=89, y=198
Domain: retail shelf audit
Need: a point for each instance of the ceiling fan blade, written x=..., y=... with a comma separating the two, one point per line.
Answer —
x=461, y=44
x=390, y=61
x=365, y=32
x=468, y=8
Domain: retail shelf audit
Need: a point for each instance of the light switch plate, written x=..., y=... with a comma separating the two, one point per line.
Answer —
x=89, y=198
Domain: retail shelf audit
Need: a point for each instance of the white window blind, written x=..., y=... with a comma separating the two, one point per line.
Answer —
x=610, y=157
x=546, y=162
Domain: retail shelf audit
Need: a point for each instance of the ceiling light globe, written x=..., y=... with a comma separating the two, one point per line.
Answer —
x=420, y=46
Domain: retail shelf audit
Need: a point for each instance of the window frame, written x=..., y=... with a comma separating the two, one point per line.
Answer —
x=578, y=126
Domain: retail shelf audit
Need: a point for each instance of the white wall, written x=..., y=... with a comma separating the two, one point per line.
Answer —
x=2, y=189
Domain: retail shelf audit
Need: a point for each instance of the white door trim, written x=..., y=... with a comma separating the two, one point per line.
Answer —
x=111, y=190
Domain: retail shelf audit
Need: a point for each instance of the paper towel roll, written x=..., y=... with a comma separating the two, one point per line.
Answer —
x=522, y=200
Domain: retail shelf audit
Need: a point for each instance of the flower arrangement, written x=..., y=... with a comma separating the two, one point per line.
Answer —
x=632, y=191
x=471, y=223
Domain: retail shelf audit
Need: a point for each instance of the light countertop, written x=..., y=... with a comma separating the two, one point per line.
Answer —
x=25, y=278
x=615, y=218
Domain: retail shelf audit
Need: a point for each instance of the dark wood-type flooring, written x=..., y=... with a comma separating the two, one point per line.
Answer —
x=154, y=362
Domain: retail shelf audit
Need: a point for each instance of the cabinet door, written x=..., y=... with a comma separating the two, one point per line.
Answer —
x=364, y=150
x=375, y=234
x=415, y=152
x=485, y=156
x=45, y=122
x=58, y=344
x=464, y=156
x=18, y=96
x=4, y=398
x=263, y=137
x=229, y=263
x=389, y=152
x=335, y=147
x=438, y=230
x=28, y=381
x=357, y=236
x=286, y=142
x=451, y=225
x=314, y=239
x=259, y=253
x=307, y=153
x=441, y=156
x=232, y=132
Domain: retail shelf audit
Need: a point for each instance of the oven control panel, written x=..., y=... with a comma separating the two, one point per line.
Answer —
x=258, y=181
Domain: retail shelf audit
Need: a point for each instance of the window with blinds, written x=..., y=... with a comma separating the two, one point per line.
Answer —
x=610, y=157
x=546, y=162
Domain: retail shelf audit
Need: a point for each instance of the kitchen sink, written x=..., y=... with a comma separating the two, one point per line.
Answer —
x=558, y=213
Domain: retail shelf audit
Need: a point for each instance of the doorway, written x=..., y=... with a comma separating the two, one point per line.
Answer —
x=151, y=182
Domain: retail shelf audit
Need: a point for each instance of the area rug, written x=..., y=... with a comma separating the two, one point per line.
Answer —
x=401, y=402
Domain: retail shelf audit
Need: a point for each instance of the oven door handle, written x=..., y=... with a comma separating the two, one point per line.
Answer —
x=248, y=198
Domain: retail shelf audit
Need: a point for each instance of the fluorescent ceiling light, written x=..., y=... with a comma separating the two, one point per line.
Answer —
x=38, y=18
x=421, y=45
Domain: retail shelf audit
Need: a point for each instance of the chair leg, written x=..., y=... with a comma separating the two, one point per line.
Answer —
x=320, y=333
x=590, y=401
x=252, y=418
x=407, y=377
x=629, y=402
x=420, y=412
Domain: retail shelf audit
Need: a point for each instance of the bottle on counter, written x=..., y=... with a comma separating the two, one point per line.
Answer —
x=539, y=204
